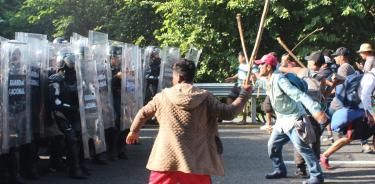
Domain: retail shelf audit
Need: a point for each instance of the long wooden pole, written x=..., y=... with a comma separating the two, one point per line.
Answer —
x=308, y=35
x=290, y=52
x=258, y=39
x=240, y=30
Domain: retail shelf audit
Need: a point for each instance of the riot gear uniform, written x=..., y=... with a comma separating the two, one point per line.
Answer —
x=115, y=137
x=64, y=103
x=152, y=74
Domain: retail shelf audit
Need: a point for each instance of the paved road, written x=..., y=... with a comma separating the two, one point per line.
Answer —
x=246, y=162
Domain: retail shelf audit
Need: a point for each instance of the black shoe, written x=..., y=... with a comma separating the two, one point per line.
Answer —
x=276, y=175
x=32, y=174
x=76, y=173
x=114, y=158
x=57, y=167
x=85, y=170
x=99, y=160
x=123, y=156
x=16, y=179
x=301, y=173
x=4, y=178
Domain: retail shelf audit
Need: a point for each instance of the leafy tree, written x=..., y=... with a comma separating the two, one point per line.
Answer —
x=211, y=25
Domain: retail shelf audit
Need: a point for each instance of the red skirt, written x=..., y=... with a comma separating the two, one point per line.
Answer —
x=178, y=178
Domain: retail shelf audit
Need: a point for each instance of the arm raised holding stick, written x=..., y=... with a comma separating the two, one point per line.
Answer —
x=290, y=52
x=258, y=39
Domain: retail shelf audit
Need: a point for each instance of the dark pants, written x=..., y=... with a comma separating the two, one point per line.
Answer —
x=9, y=166
x=70, y=127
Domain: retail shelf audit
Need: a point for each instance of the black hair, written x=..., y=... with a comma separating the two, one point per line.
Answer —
x=185, y=69
x=241, y=53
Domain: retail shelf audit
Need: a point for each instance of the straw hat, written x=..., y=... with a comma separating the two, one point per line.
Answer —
x=365, y=47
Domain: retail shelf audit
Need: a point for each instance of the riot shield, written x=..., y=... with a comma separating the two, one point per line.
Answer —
x=16, y=127
x=115, y=58
x=88, y=90
x=1, y=98
x=132, y=86
x=38, y=55
x=193, y=54
x=169, y=56
x=151, y=71
x=99, y=45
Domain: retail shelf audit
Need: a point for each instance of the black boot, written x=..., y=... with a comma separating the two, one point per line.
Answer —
x=75, y=172
x=122, y=145
x=14, y=175
x=56, y=149
x=111, y=137
x=99, y=159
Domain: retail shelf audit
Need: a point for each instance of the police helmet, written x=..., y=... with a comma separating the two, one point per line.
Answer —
x=59, y=40
x=115, y=50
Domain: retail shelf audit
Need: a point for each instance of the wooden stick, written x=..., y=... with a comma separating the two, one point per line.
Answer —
x=258, y=39
x=290, y=52
x=238, y=17
x=316, y=30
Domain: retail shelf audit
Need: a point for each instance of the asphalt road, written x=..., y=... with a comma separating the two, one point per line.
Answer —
x=246, y=162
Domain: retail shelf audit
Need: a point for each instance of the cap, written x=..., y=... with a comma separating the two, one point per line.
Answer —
x=267, y=59
x=316, y=56
x=341, y=51
x=365, y=47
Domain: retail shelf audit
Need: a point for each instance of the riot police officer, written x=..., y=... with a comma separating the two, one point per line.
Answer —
x=63, y=97
x=152, y=75
x=116, y=144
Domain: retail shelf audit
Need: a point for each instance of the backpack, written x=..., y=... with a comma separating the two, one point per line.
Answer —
x=347, y=92
x=313, y=86
x=296, y=81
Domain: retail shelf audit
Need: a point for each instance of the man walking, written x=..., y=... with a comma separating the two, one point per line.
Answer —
x=291, y=124
x=187, y=148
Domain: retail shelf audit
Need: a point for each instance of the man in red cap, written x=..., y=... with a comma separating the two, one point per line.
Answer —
x=291, y=122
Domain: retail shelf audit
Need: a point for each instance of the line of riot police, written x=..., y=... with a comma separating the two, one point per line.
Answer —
x=75, y=99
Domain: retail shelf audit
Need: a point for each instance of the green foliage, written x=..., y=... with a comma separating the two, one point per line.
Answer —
x=346, y=23
x=207, y=24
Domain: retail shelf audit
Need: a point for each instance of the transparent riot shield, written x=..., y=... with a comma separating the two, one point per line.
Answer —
x=169, y=56
x=132, y=87
x=16, y=127
x=151, y=71
x=115, y=58
x=193, y=54
x=38, y=55
x=99, y=45
x=1, y=98
x=88, y=90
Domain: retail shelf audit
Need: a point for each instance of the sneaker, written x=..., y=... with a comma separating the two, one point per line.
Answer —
x=367, y=149
x=276, y=175
x=313, y=180
x=301, y=173
x=324, y=162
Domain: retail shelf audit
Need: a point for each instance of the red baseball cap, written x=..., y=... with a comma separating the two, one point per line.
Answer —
x=267, y=59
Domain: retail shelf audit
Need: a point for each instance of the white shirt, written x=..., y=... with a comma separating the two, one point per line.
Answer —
x=366, y=89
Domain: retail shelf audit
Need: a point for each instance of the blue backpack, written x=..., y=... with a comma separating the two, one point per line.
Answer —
x=297, y=82
x=347, y=92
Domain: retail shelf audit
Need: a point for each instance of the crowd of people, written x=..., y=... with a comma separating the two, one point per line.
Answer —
x=329, y=94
